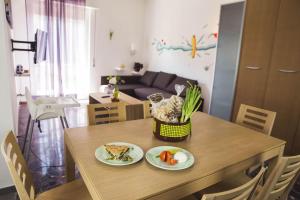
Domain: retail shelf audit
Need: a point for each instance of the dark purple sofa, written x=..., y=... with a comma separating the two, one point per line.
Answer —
x=151, y=82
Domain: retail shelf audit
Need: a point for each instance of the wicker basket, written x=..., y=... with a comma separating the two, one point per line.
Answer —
x=171, y=132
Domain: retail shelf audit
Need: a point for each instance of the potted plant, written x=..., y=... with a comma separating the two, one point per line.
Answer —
x=113, y=85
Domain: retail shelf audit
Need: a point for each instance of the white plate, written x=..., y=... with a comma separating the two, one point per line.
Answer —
x=135, y=152
x=152, y=156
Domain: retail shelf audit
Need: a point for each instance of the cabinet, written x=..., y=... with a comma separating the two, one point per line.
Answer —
x=256, y=52
x=296, y=145
x=275, y=84
x=283, y=87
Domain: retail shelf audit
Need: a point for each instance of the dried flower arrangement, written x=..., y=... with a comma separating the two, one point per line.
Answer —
x=175, y=109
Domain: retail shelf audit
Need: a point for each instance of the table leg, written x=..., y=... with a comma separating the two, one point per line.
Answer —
x=272, y=163
x=69, y=165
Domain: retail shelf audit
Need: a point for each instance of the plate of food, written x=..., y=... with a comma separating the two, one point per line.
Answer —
x=119, y=153
x=170, y=158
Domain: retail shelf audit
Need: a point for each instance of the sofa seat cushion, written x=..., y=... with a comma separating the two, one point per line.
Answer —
x=148, y=78
x=163, y=80
x=143, y=93
x=129, y=88
x=181, y=81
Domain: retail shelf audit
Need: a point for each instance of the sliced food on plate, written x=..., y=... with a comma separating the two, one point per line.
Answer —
x=170, y=158
x=118, y=152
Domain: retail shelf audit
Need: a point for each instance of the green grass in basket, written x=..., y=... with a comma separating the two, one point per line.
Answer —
x=191, y=103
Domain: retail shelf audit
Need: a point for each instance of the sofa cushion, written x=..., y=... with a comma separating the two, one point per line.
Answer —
x=181, y=81
x=129, y=88
x=143, y=93
x=163, y=80
x=148, y=78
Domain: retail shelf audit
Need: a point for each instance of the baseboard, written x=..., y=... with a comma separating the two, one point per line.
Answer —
x=7, y=190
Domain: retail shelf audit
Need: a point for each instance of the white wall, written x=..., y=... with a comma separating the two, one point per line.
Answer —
x=7, y=95
x=20, y=33
x=126, y=19
x=176, y=21
x=140, y=22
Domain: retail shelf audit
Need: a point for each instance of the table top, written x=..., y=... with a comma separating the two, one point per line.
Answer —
x=122, y=96
x=215, y=144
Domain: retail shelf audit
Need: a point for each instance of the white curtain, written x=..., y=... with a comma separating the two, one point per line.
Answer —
x=67, y=68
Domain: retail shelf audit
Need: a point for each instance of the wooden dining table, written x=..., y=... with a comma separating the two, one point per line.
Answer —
x=221, y=149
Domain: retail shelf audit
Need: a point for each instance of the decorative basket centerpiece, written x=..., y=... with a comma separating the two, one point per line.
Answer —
x=172, y=117
x=172, y=132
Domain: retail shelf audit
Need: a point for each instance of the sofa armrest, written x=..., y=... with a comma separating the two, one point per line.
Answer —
x=127, y=78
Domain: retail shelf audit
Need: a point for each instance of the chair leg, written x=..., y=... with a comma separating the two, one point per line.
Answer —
x=39, y=126
x=26, y=133
x=62, y=122
x=30, y=139
x=66, y=122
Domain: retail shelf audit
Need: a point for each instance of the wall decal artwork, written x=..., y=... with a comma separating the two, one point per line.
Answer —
x=195, y=45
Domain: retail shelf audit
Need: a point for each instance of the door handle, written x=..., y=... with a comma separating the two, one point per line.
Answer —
x=253, y=67
x=287, y=71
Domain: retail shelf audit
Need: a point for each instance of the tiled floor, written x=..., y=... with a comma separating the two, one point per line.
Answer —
x=295, y=193
x=9, y=196
x=46, y=160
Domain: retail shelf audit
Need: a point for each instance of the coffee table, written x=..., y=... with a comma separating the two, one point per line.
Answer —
x=134, y=107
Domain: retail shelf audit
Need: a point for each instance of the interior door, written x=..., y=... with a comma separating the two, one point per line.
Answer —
x=257, y=44
x=283, y=91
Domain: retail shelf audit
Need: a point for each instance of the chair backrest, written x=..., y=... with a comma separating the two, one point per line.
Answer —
x=243, y=192
x=147, y=109
x=256, y=118
x=280, y=178
x=106, y=113
x=17, y=167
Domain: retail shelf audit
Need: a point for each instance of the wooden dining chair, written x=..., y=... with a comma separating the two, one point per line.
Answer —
x=242, y=192
x=147, y=109
x=256, y=118
x=281, y=179
x=22, y=178
x=106, y=113
x=278, y=184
